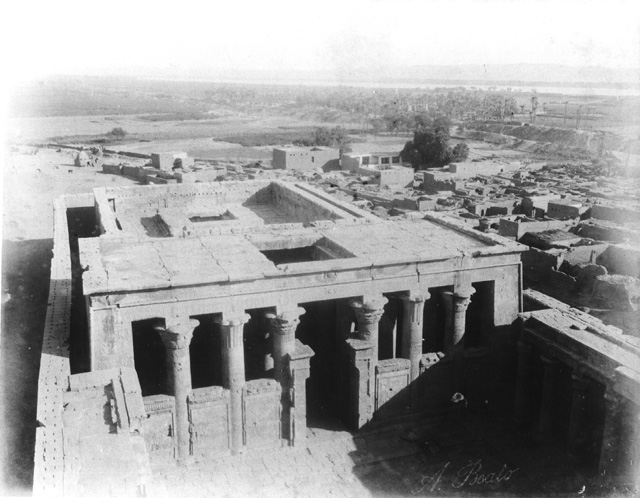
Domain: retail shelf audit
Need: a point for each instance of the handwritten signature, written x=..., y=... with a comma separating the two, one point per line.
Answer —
x=472, y=474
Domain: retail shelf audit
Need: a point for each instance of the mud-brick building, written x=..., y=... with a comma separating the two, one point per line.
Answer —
x=306, y=158
x=220, y=318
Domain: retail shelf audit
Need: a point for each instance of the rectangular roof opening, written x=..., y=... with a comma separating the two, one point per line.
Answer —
x=319, y=250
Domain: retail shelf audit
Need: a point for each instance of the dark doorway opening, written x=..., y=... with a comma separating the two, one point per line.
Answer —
x=149, y=357
x=317, y=330
x=434, y=320
x=258, y=345
x=390, y=329
x=205, y=352
x=480, y=315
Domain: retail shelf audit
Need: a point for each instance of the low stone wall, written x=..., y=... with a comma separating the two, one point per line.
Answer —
x=393, y=377
x=158, y=427
x=54, y=364
x=262, y=410
x=210, y=422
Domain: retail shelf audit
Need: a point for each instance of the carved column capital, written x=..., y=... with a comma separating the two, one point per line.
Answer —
x=179, y=335
x=285, y=322
x=459, y=300
x=233, y=320
x=232, y=326
x=369, y=311
x=415, y=298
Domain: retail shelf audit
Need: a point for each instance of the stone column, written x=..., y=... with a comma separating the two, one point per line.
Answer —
x=456, y=304
x=523, y=394
x=176, y=339
x=368, y=314
x=233, y=376
x=412, y=330
x=577, y=423
x=283, y=332
x=547, y=402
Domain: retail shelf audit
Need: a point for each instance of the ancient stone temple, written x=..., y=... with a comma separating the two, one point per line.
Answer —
x=220, y=318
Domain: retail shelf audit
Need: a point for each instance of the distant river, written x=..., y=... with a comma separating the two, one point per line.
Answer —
x=562, y=90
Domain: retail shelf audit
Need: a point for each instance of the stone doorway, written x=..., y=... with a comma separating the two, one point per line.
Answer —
x=327, y=382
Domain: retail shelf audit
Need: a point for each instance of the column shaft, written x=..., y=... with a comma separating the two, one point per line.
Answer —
x=456, y=304
x=233, y=375
x=412, y=331
x=176, y=339
x=283, y=331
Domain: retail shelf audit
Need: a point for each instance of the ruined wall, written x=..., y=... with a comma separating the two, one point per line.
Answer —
x=615, y=214
x=433, y=182
x=471, y=169
x=516, y=229
x=621, y=259
x=536, y=206
x=197, y=196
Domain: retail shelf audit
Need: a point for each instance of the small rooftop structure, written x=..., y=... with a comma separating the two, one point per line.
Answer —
x=306, y=158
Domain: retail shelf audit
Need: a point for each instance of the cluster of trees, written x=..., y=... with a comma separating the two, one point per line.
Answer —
x=118, y=133
x=336, y=137
x=430, y=148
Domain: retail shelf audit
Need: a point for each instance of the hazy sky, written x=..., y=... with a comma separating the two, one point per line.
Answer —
x=64, y=35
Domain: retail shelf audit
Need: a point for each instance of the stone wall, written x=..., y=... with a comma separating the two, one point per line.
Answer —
x=621, y=259
x=618, y=215
x=301, y=205
x=158, y=427
x=54, y=364
x=262, y=413
x=210, y=422
x=392, y=388
x=196, y=196
x=516, y=229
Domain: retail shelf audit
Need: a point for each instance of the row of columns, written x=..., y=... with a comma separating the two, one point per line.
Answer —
x=369, y=311
x=177, y=336
x=364, y=350
x=620, y=446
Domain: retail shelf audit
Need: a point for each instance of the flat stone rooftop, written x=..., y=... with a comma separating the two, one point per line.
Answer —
x=211, y=233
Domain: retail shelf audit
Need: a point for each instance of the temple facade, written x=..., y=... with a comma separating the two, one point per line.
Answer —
x=270, y=303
